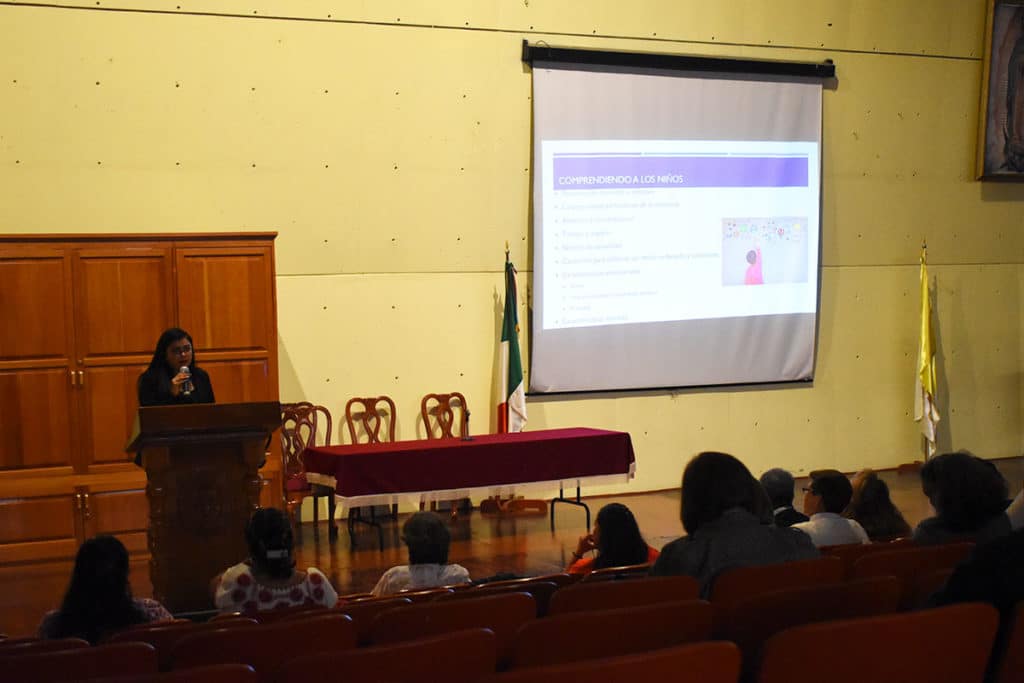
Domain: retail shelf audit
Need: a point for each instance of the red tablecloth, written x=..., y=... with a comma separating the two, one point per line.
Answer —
x=488, y=460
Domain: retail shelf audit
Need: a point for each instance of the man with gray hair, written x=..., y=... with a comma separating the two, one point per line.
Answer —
x=779, y=485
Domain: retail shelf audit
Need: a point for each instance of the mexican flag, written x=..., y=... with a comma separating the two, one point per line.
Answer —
x=512, y=409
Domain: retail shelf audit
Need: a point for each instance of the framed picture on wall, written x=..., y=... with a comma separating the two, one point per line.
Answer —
x=1001, y=123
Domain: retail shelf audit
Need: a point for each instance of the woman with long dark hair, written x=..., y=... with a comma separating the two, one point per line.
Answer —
x=173, y=377
x=99, y=601
x=616, y=538
x=873, y=509
x=969, y=497
x=728, y=517
x=268, y=579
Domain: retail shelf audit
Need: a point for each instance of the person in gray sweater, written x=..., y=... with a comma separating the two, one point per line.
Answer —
x=728, y=521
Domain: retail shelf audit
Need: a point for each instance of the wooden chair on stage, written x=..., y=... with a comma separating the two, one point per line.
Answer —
x=101, y=661
x=440, y=412
x=370, y=420
x=692, y=663
x=610, y=633
x=458, y=657
x=945, y=645
x=446, y=416
x=300, y=423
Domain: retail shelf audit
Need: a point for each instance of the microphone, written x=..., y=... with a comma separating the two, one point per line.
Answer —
x=186, y=386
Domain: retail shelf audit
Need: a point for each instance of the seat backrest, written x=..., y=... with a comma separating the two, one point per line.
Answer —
x=540, y=590
x=615, y=594
x=266, y=647
x=561, y=580
x=363, y=613
x=926, y=585
x=1009, y=662
x=740, y=584
x=221, y=673
x=299, y=425
x=439, y=415
x=851, y=552
x=502, y=614
x=120, y=659
x=910, y=563
x=633, y=571
x=692, y=663
x=272, y=616
x=24, y=646
x=458, y=657
x=370, y=420
x=945, y=645
x=607, y=633
x=164, y=637
x=750, y=624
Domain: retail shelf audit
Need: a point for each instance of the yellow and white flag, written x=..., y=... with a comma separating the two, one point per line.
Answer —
x=925, y=384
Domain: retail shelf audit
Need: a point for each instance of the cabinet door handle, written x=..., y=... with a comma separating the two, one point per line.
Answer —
x=81, y=380
x=78, y=501
x=74, y=379
x=86, y=510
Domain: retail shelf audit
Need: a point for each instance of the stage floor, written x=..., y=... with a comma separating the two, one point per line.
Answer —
x=485, y=545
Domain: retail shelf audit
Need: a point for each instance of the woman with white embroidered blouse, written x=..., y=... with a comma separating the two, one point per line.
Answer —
x=268, y=579
x=427, y=539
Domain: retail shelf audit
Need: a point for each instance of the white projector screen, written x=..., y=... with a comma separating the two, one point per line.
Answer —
x=676, y=228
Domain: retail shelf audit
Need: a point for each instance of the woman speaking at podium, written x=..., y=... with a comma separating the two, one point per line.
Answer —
x=172, y=377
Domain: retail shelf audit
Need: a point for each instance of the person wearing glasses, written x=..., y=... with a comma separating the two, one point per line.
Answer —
x=165, y=382
x=825, y=499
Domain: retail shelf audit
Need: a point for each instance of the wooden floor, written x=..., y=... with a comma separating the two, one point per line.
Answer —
x=485, y=545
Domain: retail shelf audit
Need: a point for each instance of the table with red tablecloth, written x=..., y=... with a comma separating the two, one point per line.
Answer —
x=365, y=474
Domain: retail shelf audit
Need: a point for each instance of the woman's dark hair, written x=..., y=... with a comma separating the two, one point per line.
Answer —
x=169, y=336
x=427, y=538
x=269, y=536
x=751, y=257
x=619, y=542
x=98, y=601
x=715, y=482
x=965, y=490
x=873, y=509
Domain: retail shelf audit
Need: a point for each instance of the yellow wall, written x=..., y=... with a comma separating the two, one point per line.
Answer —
x=388, y=141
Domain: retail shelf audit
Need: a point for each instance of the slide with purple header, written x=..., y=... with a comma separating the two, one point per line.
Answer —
x=638, y=231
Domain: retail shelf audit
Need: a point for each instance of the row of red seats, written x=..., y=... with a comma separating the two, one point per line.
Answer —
x=379, y=621
x=946, y=645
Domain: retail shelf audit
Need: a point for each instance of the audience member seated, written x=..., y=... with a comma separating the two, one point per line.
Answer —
x=617, y=540
x=99, y=599
x=825, y=498
x=268, y=579
x=427, y=538
x=728, y=517
x=872, y=508
x=779, y=485
x=969, y=498
x=994, y=573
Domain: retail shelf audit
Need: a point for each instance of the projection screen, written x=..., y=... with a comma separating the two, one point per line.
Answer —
x=675, y=230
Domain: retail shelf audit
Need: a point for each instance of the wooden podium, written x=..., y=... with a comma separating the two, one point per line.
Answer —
x=202, y=465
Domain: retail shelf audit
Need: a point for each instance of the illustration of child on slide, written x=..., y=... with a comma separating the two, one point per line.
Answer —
x=754, y=275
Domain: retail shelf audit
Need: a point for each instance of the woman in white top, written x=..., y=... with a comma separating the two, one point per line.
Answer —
x=427, y=538
x=268, y=580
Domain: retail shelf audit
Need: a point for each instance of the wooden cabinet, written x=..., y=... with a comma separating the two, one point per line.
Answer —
x=82, y=314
